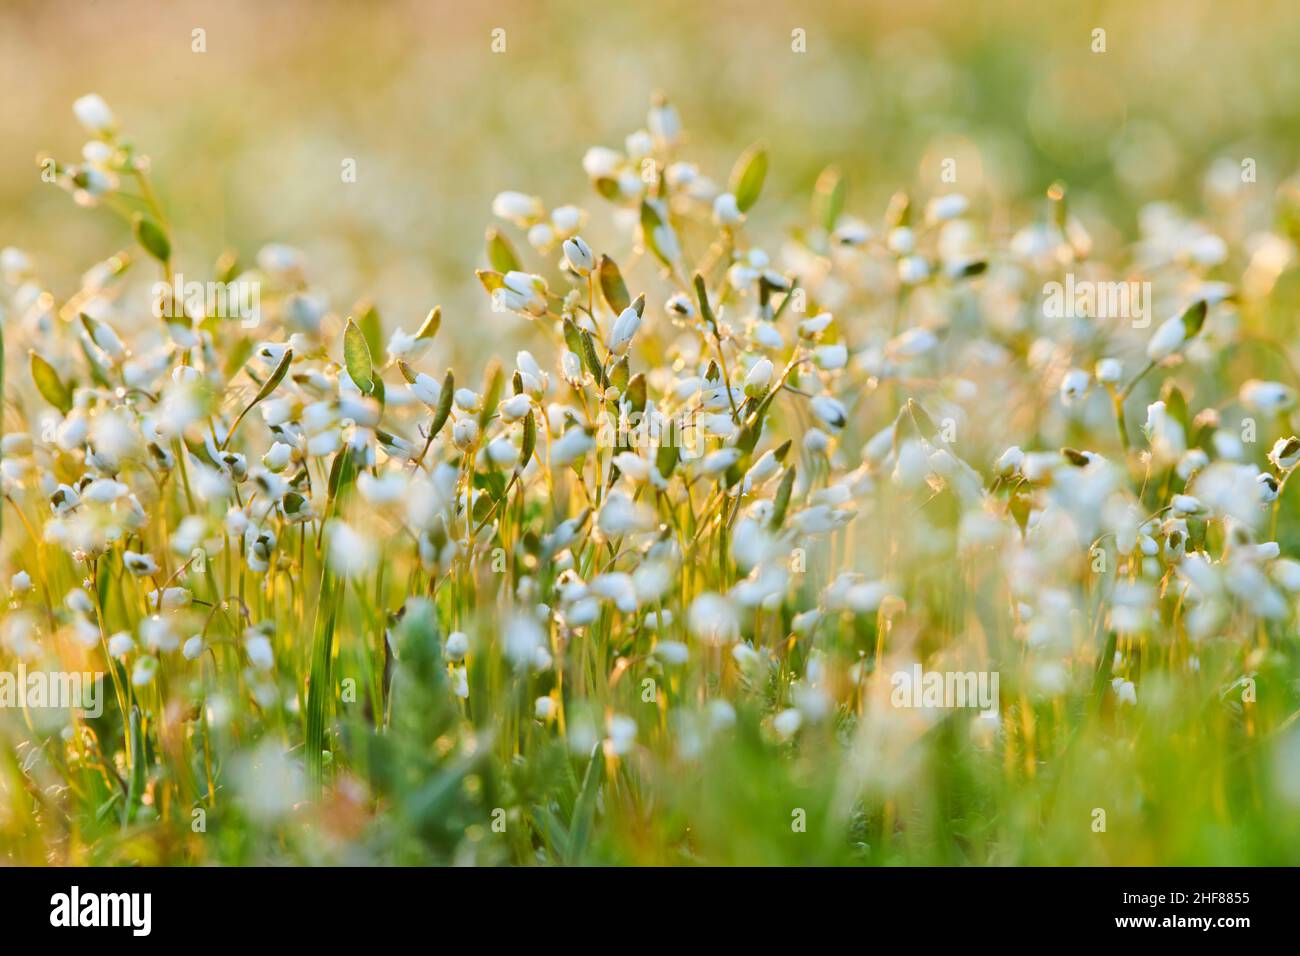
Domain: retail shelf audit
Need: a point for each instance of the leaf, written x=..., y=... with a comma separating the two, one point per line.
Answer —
x=584, y=809
x=432, y=322
x=444, y=404
x=612, y=286
x=371, y=326
x=500, y=253
x=356, y=355
x=782, y=500
x=271, y=383
x=491, y=280
x=589, y=358
x=49, y=384
x=529, y=443
x=635, y=393
x=1194, y=318
x=656, y=233
x=702, y=294
x=150, y=235
x=493, y=385
x=747, y=176
x=828, y=197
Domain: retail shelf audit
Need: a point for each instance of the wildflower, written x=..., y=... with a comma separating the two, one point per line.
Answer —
x=144, y=672
x=518, y=208
x=1268, y=398
x=1285, y=453
x=625, y=327
x=464, y=433
x=93, y=113
x=141, y=565
x=830, y=411
x=1074, y=385
x=725, y=210
x=120, y=644
x=579, y=256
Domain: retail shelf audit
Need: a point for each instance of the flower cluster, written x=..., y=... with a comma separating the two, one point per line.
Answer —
x=897, y=455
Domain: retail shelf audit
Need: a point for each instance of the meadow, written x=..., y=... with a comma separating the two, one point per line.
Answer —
x=765, y=519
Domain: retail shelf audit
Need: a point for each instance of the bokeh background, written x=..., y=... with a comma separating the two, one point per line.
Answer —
x=248, y=137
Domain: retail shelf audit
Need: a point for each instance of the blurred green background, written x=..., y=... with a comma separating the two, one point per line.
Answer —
x=248, y=137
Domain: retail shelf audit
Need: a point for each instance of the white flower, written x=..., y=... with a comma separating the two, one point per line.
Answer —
x=157, y=634
x=426, y=389
x=831, y=357
x=544, y=708
x=758, y=378
x=719, y=461
x=457, y=646
x=464, y=433
x=1285, y=453
x=1074, y=385
x=947, y=207
x=1125, y=692
x=1269, y=398
x=515, y=408
x=93, y=113
x=625, y=327
x=352, y=554
x=600, y=162
x=620, y=515
x=725, y=210
x=258, y=648
x=571, y=446
x=518, y=208
x=1009, y=461
x=622, y=733
x=787, y=723
x=141, y=565
x=21, y=582
x=713, y=619
x=1167, y=340
x=830, y=411
x=815, y=326
x=579, y=256
x=120, y=644
x=145, y=670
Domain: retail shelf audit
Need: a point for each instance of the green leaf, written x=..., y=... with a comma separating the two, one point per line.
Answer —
x=529, y=442
x=494, y=382
x=356, y=355
x=444, y=404
x=371, y=326
x=491, y=280
x=782, y=501
x=276, y=378
x=655, y=228
x=584, y=810
x=1194, y=318
x=612, y=286
x=150, y=235
x=702, y=294
x=49, y=384
x=432, y=322
x=747, y=176
x=500, y=253
x=589, y=358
